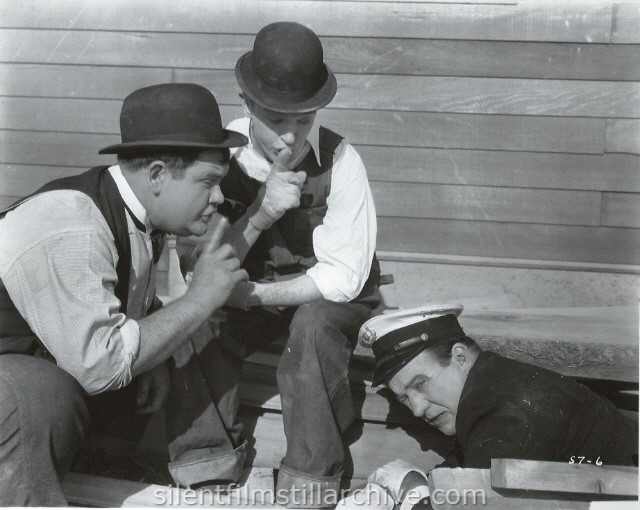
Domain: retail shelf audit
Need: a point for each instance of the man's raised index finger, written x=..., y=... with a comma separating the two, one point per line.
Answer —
x=219, y=229
x=280, y=163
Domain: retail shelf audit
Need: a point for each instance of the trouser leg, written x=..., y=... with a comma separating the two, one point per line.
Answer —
x=317, y=407
x=43, y=419
x=205, y=438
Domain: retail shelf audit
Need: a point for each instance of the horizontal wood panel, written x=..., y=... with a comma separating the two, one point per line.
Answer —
x=43, y=80
x=20, y=180
x=626, y=22
x=410, y=200
x=460, y=95
x=510, y=240
x=530, y=20
x=621, y=210
x=610, y=172
x=623, y=135
x=371, y=55
x=408, y=129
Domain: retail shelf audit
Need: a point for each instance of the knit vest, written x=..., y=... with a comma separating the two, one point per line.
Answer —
x=98, y=184
x=286, y=249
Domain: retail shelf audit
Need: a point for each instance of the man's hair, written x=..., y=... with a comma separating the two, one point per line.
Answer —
x=177, y=163
x=440, y=348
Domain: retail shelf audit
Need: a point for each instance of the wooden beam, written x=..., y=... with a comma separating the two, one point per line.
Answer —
x=457, y=488
x=527, y=21
x=99, y=491
x=623, y=135
x=609, y=245
x=352, y=55
x=577, y=478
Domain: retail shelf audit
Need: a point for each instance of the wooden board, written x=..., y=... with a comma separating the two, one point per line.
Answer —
x=626, y=22
x=623, y=135
x=408, y=129
x=105, y=82
x=100, y=491
x=511, y=240
x=456, y=488
x=411, y=200
x=585, y=478
x=527, y=21
x=369, y=55
x=609, y=172
x=621, y=210
x=489, y=95
x=461, y=95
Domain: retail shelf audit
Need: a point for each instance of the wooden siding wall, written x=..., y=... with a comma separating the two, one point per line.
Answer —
x=502, y=128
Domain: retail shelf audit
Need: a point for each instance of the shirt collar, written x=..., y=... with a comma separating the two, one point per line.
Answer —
x=130, y=199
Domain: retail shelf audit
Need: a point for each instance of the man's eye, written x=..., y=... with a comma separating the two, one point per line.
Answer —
x=275, y=120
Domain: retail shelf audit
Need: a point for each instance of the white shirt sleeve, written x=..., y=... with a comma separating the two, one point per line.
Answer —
x=60, y=274
x=345, y=242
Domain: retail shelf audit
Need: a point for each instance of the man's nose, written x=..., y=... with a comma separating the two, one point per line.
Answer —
x=289, y=137
x=216, y=196
x=419, y=406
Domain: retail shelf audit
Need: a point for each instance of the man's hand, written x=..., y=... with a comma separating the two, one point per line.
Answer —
x=152, y=390
x=391, y=477
x=217, y=271
x=280, y=192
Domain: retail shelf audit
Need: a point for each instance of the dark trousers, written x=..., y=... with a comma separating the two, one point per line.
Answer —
x=312, y=377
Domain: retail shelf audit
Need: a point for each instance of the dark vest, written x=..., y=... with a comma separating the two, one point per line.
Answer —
x=97, y=183
x=286, y=249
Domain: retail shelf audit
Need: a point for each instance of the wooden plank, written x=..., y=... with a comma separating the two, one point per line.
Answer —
x=99, y=491
x=528, y=21
x=623, y=135
x=489, y=95
x=369, y=55
x=461, y=95
x=77, y=81
x=610, y=172
x=411, y=200
x=407, y=129
x=455, y=488
x=626, y=22
x=498, y=132
x=19, y=180
x=621, y=210
x=585, y=478
x=511, y=240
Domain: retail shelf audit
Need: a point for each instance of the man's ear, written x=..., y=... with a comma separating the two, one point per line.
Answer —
x=158, y=174
x=246, y=105
x=462, y=356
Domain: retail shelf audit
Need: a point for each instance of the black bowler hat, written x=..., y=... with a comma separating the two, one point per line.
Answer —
x=285, y=72
x=398, y=337
x=172, y=117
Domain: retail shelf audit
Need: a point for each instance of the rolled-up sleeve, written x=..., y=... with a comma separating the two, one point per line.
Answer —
x=63, y=285
x=345, y=242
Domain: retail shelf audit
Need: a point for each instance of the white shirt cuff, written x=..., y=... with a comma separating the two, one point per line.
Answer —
x=130, y=334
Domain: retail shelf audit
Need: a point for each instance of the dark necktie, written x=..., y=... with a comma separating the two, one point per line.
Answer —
x=157, y=244
x=157, y=237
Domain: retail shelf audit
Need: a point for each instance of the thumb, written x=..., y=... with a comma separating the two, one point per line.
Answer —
x=280, y=163
x=219, y=229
